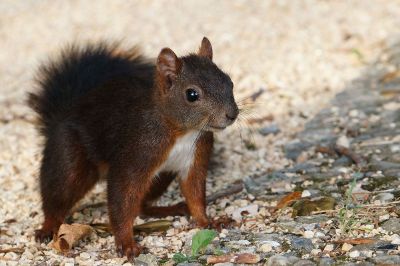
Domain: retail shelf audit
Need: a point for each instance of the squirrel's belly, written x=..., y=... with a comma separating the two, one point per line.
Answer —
x=181, y=156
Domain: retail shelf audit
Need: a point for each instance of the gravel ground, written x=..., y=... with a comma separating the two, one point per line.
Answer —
x=301, y=53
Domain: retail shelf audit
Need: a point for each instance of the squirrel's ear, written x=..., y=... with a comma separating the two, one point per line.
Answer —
x=168, y=65
x=206, y=49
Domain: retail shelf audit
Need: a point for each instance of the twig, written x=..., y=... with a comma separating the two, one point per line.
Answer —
x=357, y=159
x=235, y=188
x=15, y=250
x=256, y=94
x=380, y=205
x=90, y=205
x=326, y=150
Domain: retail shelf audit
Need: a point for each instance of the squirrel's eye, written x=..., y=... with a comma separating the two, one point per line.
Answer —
x=192, y=95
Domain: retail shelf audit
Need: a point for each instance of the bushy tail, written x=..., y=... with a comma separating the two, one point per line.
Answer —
x=78, y=70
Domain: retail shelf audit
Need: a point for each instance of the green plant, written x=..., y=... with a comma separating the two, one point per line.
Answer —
x=349, y=214
x=199, y=242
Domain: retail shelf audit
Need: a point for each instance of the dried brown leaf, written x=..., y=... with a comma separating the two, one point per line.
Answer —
x=288, y=199
x=68, y=235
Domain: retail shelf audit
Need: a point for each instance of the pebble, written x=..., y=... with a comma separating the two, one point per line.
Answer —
x=346, y=247
x=280, y=260
x=395, y=239
x=266, y=248
x=354, y=254
x=343, y=141
x=84, y=255
x=249, y=210
x=308, y=234
x=271, y=129
x=387, y=260
x=329, y=248
x=302, y=244
x=384, y=197
x=315, y=252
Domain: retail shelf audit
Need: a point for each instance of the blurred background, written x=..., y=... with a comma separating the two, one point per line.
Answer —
x=297, y=54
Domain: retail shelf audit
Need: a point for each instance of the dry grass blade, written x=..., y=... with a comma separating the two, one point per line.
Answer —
x=356, y=241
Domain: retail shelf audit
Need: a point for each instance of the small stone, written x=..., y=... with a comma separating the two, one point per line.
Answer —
x=308, y=234
x=343, y=141
x=392, y=225
x=224, y=264
x=84, y=255
x=329, y=248
x=302, y=244
x=271, y=129
x=384, y=197
x=315, y=252
x=266, y=248
x=395, y=239
x=354, y=113
x=326, y=262
x=387, y=260
x=247, y=210
x=346, y=247
x=146, y=259
x=354, y=254
x=280, y=260
x=384, y=217
x=305, y=194
x=304, y=263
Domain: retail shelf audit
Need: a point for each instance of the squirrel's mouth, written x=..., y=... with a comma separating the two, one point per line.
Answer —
x=215, y=128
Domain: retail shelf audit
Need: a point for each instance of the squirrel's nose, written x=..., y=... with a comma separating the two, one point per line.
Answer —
x=231, y=116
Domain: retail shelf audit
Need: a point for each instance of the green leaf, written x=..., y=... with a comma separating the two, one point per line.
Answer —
x=201, y=240
x=179, y=257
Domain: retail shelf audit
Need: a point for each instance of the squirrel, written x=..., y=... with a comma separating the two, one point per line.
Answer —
x=114, y=114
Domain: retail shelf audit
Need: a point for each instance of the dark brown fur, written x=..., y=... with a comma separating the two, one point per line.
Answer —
x=109, y=113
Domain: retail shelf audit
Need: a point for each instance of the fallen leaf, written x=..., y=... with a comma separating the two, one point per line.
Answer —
x=306, y=207
x=153, y=226
x=149, y=227
x=288, y=199
x=68, y=235
x=388, y=77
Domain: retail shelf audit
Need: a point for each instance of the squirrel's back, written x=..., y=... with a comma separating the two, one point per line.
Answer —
x=78, y=70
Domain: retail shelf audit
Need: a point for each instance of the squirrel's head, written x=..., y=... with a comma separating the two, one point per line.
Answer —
x=194, y=92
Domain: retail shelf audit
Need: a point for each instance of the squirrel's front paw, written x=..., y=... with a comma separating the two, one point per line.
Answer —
x=43, y=236
x=130, y=250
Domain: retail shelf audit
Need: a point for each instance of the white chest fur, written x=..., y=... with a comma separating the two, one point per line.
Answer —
x=181, y=156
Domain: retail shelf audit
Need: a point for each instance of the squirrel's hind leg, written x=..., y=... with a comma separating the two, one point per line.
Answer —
x=65, y=177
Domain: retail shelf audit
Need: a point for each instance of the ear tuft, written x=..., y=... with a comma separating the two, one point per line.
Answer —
x=206, y=49
x=168, y=64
